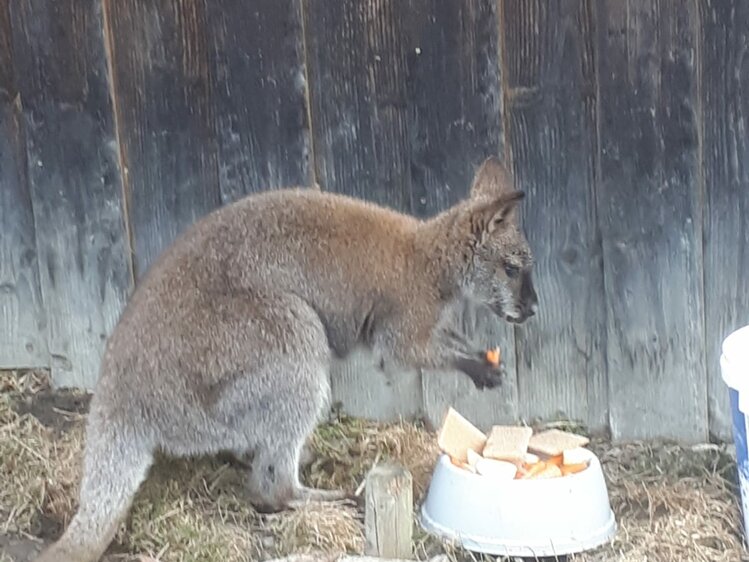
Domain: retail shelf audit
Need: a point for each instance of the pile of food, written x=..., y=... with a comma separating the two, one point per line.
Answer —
x=512, y=452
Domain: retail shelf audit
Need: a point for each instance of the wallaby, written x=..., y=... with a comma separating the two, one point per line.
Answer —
x=227, y=341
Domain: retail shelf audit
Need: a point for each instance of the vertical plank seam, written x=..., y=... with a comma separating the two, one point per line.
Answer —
x=507, y=157
x=26, y=182
x=312, y=174
x=596, y=206
x=311, y=158
x=699, y=218
x=213, y=144
x=121, y=157
x=26, y=167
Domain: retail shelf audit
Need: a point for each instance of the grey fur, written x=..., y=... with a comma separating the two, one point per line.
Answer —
x=227, y=341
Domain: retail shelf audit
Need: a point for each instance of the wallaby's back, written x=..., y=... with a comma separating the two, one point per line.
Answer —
x=341, y=255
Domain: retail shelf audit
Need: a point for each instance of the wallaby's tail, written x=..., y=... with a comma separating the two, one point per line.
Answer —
x=115, y=465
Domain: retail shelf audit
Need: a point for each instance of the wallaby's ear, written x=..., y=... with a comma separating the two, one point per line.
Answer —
x=495, y=214
x=492, y=179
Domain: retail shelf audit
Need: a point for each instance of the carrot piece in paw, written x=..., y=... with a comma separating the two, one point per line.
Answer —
x=493, y=357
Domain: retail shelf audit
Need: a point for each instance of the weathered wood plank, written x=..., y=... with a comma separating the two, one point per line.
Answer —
x=159, y=57
x=258, y=86
x=388, y=514
x=61, y=70
x=7, y=79
x=552, y=132
x=359, y=387
x=455, y=96
x=406, y=102
x=358, y=117
x=22, y=320
x=455, y=85
x=357, y=59
x=724, y=71
x=650, y=218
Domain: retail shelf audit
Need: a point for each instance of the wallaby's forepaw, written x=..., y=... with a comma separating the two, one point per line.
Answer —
x=481, y=372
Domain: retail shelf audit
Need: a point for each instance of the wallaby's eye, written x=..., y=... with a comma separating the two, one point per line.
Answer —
x=512, y=271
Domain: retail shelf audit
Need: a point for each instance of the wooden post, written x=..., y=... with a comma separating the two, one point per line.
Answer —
x=388, y=516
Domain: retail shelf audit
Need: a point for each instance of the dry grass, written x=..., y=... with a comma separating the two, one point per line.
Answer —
x=190, y=511
x=671, y=504
x=39, y=466
x=333, y=527
x=346, y=448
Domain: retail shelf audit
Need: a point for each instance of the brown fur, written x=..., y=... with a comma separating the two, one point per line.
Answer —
x=227, y=341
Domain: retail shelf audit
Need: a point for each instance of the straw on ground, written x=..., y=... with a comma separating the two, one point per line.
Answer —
x=671, y=503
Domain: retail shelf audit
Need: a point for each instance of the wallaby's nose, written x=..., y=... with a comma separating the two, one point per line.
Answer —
x=532, y=309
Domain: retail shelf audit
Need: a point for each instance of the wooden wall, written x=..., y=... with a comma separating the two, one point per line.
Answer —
x=123, y=121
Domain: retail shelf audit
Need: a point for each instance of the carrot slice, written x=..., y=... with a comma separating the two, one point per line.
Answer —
x=573, y=468
x=551, y=471
x=460, y=464
x=535, y=469
x=556, y=460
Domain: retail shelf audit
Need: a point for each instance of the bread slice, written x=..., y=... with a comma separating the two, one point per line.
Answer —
x=473, y=459
x=457, y=435
x=555, y=442
x=507, y=443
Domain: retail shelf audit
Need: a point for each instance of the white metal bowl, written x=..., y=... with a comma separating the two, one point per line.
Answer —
x=527, y=518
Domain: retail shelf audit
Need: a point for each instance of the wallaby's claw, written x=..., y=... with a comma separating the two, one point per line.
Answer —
x=313, y=495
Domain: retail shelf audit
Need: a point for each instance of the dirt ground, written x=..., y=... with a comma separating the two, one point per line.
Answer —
x=671, y=503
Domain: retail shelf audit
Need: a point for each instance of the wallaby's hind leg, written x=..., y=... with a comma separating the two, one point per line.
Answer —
x=114, y=467
x=278, y=387
x=274, y=478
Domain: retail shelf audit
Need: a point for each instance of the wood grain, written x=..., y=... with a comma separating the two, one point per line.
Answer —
x=83, y=254
x=552, y=135
x=258, y=91
x=22, y=316
x=406, y=102
x=724, y=72
x=357, y=58
x=444, y=389
x=359, y=387
x=388, y=514
x=159, y=57
x=650, y=215
x=360, y=149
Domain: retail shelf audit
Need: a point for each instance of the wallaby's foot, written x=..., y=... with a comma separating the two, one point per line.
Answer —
x=300, y=498
x=304, y=495
x=274, y=480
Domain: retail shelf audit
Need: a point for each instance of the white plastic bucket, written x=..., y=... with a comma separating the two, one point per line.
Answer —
x=734, y=366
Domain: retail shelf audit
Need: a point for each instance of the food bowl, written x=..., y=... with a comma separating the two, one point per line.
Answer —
x=527, y=518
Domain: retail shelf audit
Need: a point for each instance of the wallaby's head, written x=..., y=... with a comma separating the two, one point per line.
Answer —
x=499, y=272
